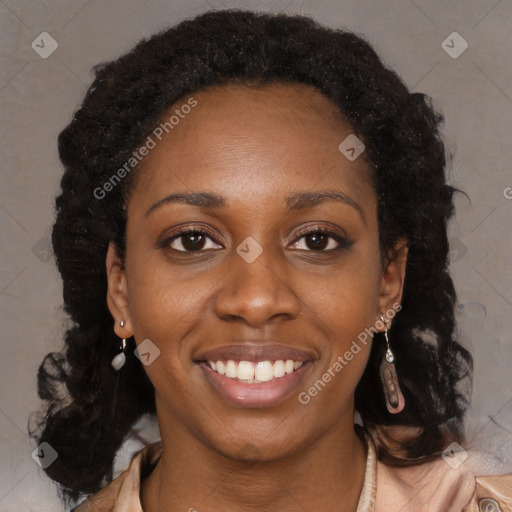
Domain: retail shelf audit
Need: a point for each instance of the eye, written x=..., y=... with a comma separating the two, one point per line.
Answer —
x=189, y=240
x=195, y=239
x=322, y=240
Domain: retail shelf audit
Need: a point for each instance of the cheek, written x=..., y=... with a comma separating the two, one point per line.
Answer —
x=347, y=297
x=158, y=293
x=166, y=307
x=345, y=307
x=163, y=311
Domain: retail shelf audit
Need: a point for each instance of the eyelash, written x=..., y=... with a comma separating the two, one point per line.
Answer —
x=343, y=243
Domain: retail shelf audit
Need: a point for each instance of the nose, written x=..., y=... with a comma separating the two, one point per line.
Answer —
x=258, y=291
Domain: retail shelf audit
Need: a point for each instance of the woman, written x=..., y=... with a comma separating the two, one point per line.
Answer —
x=252, y=239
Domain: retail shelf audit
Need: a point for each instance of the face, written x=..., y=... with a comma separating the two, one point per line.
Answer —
x=280, y=261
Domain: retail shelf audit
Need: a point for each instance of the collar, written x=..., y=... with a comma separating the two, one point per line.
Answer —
x=367, y=498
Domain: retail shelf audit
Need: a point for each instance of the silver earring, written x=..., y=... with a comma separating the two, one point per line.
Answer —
x=119, y=360
x=393, y=394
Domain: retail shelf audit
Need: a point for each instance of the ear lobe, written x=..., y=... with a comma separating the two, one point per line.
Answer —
x=117, y=296
x=393, y=276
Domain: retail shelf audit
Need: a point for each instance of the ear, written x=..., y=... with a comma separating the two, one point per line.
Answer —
x=393, y=277
x=117, y=292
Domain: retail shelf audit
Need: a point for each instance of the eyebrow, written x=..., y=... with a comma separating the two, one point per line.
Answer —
x=295, y=202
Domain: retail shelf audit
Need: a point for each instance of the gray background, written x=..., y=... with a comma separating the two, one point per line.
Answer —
x=38, y=97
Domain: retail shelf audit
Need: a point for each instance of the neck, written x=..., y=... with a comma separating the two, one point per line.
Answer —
x=327, y=475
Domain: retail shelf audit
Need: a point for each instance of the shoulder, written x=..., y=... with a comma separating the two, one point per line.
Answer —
x=492, y=494
x=124, y=491
x=444, y=485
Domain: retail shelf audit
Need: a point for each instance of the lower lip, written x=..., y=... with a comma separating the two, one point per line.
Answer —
x=265, y=394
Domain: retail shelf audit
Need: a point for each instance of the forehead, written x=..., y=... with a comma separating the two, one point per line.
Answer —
x=238, y=139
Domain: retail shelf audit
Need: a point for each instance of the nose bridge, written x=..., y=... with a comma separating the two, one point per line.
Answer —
x=256, y=287
x=254, y=261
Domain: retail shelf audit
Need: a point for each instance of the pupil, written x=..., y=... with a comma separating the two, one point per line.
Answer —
x=315, y=237
x=196, y=243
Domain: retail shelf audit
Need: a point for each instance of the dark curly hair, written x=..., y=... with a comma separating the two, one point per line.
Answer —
x=88, y=421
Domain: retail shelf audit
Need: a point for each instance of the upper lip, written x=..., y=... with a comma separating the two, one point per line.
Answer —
x=255, y=352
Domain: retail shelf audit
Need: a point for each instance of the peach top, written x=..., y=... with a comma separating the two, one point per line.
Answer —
x=432, y=487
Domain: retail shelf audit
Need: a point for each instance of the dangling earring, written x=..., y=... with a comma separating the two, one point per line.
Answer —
x=119, y=360
x=394, y=399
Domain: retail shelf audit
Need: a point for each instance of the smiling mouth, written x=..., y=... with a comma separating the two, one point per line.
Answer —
x=255, y=384
x=254, y=372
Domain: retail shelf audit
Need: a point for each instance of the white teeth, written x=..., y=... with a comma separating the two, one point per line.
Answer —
x=264, y=371
x=245, y=371
x=255, y=372
x=231, y=369
x=278, y=369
